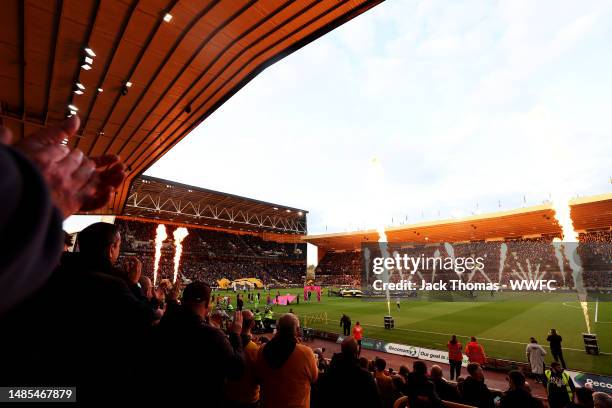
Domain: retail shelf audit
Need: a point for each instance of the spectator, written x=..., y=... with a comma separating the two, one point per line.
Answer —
x=455, y=357
x=285, y=368
x=55, y=183
x=321, y=362
x=383, y=382
x=346, y=383
x=146, y=286
x=358, y=334
x=244, y=391
x=404, y=371
x=518, y=394
x=475, y=352
x=421, y=391
x=584, y=398
x=535, y=357
x=556, y=350
x=345, y=322
x=444, y=390
x=602, y=400
x=363, y=362
x=474, y=390
x=91, y=316
x=212, y=358
x=559, y=386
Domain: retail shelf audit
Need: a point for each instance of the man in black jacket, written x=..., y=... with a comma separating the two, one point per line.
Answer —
x=345, y=322
x=200, y=356
x=421, y=391
x=554, y=339
x=518, y=394
x=79, y=328
x=445, y=390
x=475, y=391
x=345, y=383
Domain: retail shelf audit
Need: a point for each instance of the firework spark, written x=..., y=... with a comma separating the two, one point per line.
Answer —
x=179, y=236
x=160, y=236
x=570, y=247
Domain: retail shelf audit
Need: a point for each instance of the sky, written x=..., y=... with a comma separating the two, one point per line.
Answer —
x=417, y=111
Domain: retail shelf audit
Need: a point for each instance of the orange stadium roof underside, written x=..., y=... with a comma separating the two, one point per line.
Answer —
x=161, y=200
x=589, y=213
x=180, y=68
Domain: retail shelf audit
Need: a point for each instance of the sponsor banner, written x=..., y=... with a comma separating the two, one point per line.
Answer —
x=438, y=356
x=368, y=343
x=597, y=382
x=402, y=350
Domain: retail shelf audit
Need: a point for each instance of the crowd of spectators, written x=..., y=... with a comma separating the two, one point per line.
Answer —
x=531, y=258
x=210, y=255
x=595, y=252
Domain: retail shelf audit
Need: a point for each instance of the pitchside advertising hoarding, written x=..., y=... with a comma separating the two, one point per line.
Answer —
x=487, y=271
x=420, y=353
x=594, y=381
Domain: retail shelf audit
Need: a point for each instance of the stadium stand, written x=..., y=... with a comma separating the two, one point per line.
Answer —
x=210, y=255
x=344, y=267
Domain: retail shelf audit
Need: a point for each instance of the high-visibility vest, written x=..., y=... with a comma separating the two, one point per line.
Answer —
x=269, y=315
x=257, y=316
x=565, y=377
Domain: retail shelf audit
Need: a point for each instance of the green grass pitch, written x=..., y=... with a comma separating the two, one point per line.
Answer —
x=503, y=327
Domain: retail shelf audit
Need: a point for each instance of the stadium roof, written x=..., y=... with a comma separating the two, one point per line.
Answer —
x=589, y=213
x=164, y=200
x=143, y=74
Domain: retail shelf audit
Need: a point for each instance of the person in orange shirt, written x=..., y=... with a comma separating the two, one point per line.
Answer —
x=357, y=334
x=455, y=357
x=384, y=382
x=286, y=369
x=244, y=391
x=475, y=352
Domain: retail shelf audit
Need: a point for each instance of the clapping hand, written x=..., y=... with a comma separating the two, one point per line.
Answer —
x=76, y=182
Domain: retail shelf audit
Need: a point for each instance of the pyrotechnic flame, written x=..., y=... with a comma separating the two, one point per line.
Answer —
x=160, y=236
x=562, y=214
x=384, y=252
x=179, y=236
x=376, y=208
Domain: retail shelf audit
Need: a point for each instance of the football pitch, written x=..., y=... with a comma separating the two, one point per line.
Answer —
x=503, y=327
